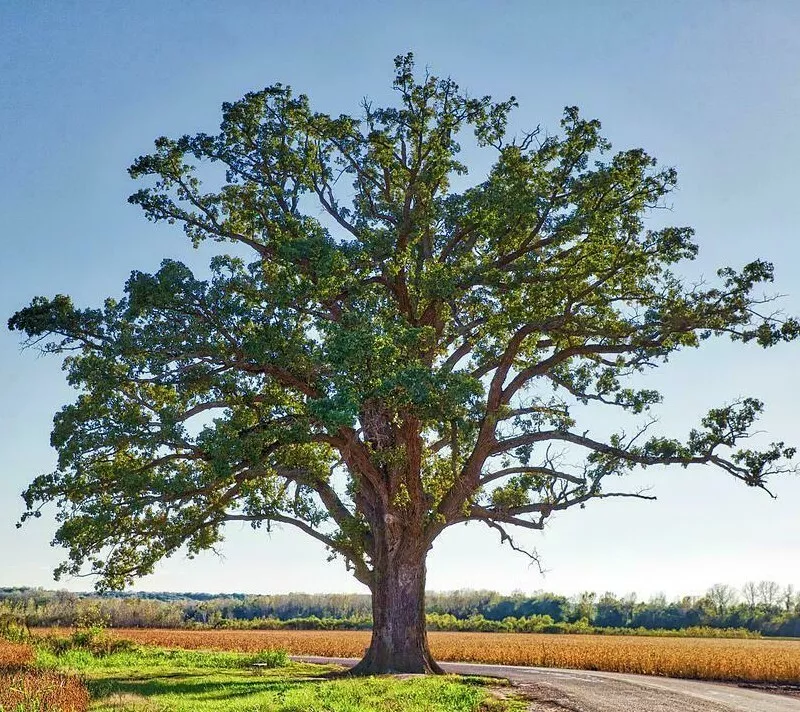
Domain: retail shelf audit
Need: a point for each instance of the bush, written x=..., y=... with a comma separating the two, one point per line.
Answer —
x=93, y=640
x=14, y=629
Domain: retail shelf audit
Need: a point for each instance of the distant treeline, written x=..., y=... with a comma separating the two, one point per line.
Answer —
x=759, y=608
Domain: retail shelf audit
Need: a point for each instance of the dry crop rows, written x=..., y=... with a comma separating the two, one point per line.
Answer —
x=23, y=688
x=705, y=658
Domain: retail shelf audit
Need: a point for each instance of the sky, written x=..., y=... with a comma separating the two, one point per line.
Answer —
x=712, y=88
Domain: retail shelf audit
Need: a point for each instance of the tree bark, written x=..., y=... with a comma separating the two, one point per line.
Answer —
x=399, y=638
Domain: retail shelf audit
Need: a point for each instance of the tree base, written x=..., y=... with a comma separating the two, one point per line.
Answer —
x=385, y=663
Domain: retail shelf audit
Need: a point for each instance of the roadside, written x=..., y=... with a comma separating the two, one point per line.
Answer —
x=552, y=690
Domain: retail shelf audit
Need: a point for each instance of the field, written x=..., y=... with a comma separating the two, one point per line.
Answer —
x=214, y=671
x=710, y=659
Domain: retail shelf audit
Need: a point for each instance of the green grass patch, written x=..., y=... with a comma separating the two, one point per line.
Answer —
x=159, y=680
x=157, y=659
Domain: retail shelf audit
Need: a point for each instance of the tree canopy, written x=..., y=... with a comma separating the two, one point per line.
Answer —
x=383, y=356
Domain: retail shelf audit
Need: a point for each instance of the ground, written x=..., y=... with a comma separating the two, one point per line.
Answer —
x=247, y=672
x=152, y=679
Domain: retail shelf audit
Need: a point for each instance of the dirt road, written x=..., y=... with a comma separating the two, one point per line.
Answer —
x=581, y=691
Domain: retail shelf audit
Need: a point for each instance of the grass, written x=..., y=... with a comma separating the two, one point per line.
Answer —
x=27, y=689
x=34, y=690
x=154, y=659
x=159, y=680
x=14, y=656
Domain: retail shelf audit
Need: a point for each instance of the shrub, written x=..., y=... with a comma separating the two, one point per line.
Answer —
x=94, y=640
x=14, y=628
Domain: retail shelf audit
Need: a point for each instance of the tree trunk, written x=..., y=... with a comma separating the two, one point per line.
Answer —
x=399, y=638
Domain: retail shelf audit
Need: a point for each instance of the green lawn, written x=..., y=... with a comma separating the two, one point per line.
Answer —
x=156, y=680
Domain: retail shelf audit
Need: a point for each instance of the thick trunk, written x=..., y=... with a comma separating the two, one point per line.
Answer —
x=399, y=639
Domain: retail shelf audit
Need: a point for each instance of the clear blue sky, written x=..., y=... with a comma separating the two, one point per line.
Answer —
x=710, y=87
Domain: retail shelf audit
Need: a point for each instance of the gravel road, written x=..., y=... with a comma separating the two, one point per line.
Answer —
x=582, y=691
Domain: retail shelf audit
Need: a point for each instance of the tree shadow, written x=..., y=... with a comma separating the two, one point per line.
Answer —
x=197, y=685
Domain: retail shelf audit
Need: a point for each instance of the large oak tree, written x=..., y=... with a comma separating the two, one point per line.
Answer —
x=383, y=356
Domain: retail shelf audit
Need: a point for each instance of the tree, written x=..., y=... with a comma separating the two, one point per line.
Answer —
x=789, y=598
x=769, y=595
x=382, y=356
x=584, y=606
x=720, y=598
x=751, y=595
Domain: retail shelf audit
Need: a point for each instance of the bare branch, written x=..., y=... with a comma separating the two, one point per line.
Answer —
x=543, y=471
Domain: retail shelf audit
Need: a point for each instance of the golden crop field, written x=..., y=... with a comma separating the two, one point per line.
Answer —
x=29, y=689
x=703, y=658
